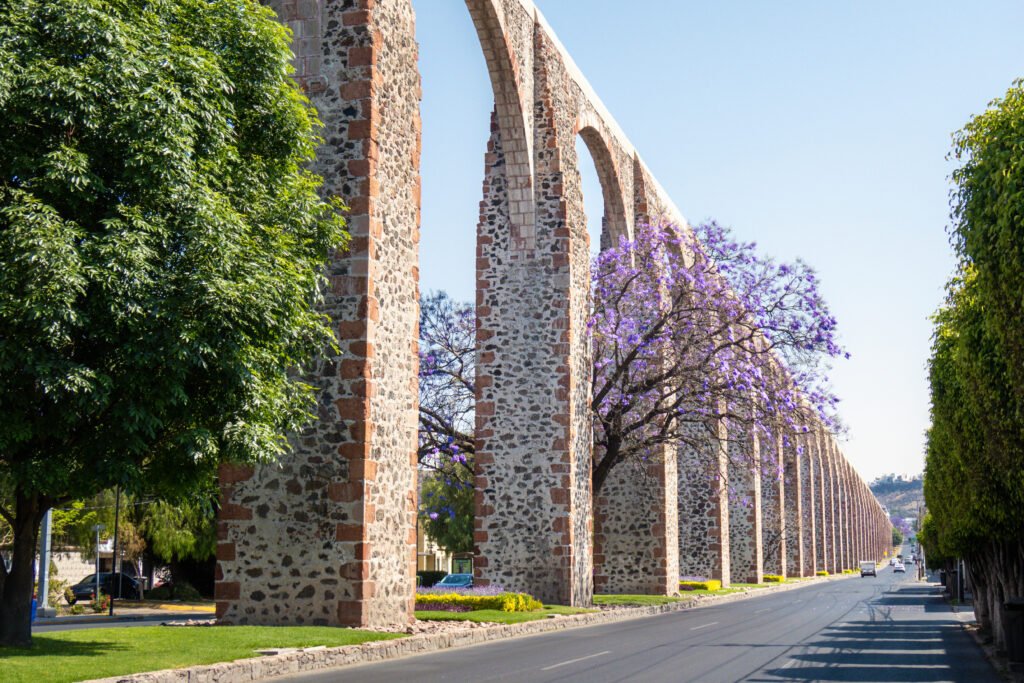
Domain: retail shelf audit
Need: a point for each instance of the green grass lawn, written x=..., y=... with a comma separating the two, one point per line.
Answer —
x=637, y=600
x=497, y=616
x=102, y=652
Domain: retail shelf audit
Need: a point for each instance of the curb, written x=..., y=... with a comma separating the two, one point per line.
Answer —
x=318, y=658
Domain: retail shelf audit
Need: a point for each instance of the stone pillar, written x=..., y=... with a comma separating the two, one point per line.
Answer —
x=851, y=512
x=533, y=530
x=831, y=455
x=773, y=507
x=809, y=502
x=794, y=510
x=832, y=507
x=704, y=504
x=328, y=535
x=636, y=529
x=745, y=549
x=822, y=536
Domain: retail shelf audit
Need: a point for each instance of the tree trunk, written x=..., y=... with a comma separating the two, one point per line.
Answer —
x=16, y=585
x=606, y=459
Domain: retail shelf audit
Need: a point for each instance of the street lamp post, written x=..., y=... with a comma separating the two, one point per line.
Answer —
x=98, y=528
x=113, y=557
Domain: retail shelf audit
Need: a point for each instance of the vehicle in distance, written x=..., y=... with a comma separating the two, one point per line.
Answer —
x=867, y=568
x=898, y=567
x=118, y=585
x=456, y=581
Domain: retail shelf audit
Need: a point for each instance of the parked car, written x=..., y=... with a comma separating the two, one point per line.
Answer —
x=120, y=586
x=456, y=581
x=867, y=568
x=899, y=568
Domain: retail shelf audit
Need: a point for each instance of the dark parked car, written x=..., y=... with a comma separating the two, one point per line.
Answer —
x=456, y=581
x=118, y=585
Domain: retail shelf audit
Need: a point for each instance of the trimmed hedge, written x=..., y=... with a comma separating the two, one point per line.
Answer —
x=821, y=572
x=708, y=585
x=774, y=578
x=454, y=602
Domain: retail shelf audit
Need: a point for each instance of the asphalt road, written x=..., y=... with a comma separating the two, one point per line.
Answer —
x=888, y=628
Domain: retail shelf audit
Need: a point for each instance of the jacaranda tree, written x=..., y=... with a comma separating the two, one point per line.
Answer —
x=160, y=251
x=691, y=327
x=447, y=349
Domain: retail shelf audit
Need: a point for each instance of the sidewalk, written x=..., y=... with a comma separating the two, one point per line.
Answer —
x=134, y=611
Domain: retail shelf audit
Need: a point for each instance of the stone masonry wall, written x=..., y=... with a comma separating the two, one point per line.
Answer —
x=794, y=510
x=635, y=557
x=809, y=490
x=704, y=504
x=746, y=556
x=773, y=508
x=327, y=536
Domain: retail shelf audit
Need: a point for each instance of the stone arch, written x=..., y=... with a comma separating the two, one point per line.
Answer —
x=509, y=107
x=616, y=222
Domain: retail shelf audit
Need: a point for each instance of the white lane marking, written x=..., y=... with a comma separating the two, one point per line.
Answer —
x=578, y=659
x=697, y=628
x=788, y=665
x=766, y=609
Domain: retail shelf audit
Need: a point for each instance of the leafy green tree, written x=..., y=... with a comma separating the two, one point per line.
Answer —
x=897, y=537
x=974, y=487
x=161, y=245
x=447, y=508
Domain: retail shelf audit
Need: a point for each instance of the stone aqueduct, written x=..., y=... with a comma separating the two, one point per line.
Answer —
x=329, y=535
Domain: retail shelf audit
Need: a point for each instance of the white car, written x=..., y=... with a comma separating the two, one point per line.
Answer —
x=898, y=567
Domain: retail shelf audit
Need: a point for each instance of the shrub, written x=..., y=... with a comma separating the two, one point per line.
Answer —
x=821, y=572
x=849, y=571
x=702, y=585
x=774, y=578
x=456, y=602
x=426, y=579
x=182, y=590
x=100, y=604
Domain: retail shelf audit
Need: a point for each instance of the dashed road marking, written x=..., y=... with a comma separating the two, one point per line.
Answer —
x=578, y=659
x=697, y=628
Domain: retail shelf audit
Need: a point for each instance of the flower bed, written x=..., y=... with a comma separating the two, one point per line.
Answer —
x=700, y=585
x=774, y=578
x=451, y=601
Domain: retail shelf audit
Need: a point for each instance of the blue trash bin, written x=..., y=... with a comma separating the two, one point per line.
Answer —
x=33, y=609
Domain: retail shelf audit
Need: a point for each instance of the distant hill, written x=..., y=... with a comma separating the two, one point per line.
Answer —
x=901, y=495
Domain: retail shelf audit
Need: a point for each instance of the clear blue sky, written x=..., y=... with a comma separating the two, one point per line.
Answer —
x=818, y=129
